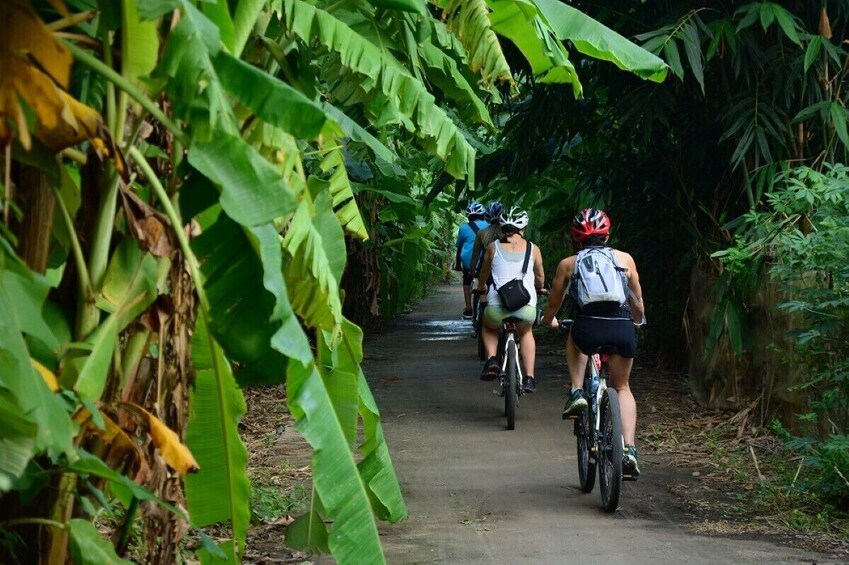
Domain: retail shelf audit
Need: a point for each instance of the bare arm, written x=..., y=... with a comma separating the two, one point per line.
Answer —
x=558, y=290
x=539, y=272
x=635, y=291
x=477, y=250
x=486, y=268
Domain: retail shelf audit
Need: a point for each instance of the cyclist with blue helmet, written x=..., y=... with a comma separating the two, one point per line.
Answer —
x=475, y=213
x=487, y=235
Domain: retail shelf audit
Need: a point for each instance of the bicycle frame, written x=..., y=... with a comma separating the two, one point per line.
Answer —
x=510, y=376
x=509, y=332
x=595, y=362
x=600, y=442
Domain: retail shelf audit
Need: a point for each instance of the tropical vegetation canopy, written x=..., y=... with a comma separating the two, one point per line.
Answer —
x=190, y=190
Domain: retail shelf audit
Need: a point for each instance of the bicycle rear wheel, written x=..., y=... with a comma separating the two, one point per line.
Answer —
x=511, y=393
x=585, y=434
x=610, y=451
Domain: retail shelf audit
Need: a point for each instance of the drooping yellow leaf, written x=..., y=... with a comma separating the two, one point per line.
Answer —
x=172, y=450
x=35, y=68
x=116, y=447
x=47, y=375
x=25, y=43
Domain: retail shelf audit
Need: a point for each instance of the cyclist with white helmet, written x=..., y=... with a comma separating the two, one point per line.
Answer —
x=503, y=262
x=606, y=328
x=475, y=213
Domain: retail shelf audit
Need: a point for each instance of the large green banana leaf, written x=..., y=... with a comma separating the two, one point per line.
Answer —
x=520, y=22
x=188, y=75
x=272, y=100
x=253, y=192
x=442, y=70
x=338, y=186
x=469, y=20
x=220, y=491
x=353, y=536
x=600, y=42
x=376, y=468
x=241, y=310
x=38, y=422
x=314, y=240
x=381, y=73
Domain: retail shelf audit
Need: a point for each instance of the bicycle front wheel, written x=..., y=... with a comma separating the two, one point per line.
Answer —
x=510, y=384
x=610, y=451
x=585, y=434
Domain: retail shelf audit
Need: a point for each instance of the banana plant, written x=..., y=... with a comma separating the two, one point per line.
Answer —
x=187, y=196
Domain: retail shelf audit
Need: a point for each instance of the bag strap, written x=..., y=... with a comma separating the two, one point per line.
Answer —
x=524, y=265
x=527, y=258
x=474, y=226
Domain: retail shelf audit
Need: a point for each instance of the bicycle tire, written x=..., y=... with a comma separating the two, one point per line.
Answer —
x=511, y=394
x=610, y=451
x=585, y=435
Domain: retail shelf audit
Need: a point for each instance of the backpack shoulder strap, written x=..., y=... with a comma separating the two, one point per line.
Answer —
x=610, y=253
x=474, y=226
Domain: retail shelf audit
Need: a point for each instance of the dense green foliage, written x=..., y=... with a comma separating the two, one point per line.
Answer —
x=211, y=167
x=758, y=86
x=801, y=239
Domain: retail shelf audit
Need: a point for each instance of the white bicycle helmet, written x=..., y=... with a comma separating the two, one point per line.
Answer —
x=475, y=208
x=514, y=219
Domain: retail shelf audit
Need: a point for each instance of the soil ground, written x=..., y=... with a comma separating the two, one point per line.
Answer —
x=477, y=493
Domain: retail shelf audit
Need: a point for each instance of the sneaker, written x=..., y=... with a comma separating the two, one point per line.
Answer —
x=529, y=385
x=630, y=461
x=490, y=369
x=467, y=314
x=575, y=404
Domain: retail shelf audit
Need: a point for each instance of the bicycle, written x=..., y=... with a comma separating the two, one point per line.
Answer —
x=511, y=385
x=598, y=430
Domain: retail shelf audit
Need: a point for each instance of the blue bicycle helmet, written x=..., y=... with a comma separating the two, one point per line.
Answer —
x=493, y=211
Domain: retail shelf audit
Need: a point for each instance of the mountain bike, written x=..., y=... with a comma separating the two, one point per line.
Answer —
x=598, y=430
x=510, y=377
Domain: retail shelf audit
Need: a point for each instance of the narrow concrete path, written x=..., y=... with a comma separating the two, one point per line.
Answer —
x=477, y=493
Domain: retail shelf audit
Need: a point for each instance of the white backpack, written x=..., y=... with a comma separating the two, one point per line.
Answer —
x=598, y=279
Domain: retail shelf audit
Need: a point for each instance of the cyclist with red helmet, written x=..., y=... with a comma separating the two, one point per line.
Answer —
x=605, y=328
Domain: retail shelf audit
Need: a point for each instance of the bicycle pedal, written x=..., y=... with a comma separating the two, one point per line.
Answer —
x=630, y=477
x=572, y=417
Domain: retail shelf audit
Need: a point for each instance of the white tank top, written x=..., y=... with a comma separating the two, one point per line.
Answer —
x=506, y=266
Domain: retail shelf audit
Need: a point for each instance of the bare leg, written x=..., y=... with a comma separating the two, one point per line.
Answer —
x=528, y=345
x=467, y=296
x=620, y=373
x=577, y=363
x=490, y=339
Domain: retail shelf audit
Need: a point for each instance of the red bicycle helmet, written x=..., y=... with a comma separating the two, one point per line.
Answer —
x=590, y=222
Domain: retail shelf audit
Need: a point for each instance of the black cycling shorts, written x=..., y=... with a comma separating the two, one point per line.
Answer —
x=594, y=335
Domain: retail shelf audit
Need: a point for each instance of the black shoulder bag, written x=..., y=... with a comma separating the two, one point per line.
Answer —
x=513, y=294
